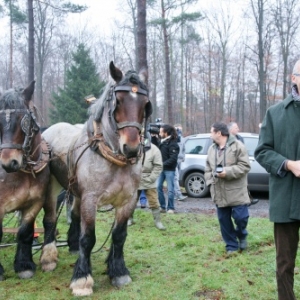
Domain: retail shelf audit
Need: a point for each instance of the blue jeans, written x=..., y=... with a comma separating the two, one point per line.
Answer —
x=177, y=189
x=233, y=234
x=169, y=177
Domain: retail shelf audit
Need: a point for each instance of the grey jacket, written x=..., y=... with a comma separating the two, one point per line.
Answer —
x=231, y=190
x=151, y=169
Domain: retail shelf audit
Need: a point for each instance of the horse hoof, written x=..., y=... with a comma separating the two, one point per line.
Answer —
x=25, y=274
x=82, y=286
x=49, y=257
x=49, y=267
x=120, y=281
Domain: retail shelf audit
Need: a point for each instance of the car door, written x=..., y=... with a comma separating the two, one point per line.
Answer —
x=192, y=168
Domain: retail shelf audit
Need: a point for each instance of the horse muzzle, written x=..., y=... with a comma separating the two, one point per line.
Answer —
x=130, y=152
x=130, y=142
x=11, y=160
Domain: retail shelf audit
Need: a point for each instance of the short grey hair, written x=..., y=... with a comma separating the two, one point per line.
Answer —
x=231, y=124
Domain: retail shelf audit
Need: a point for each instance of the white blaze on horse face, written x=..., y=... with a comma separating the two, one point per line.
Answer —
x=133, y=95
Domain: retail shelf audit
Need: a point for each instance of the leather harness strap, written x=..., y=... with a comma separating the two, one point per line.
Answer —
x=36, y=167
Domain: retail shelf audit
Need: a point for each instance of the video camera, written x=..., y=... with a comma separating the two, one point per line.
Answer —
x=154, y=127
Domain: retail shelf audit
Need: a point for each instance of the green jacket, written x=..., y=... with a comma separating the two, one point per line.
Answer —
x=280, y=140
x=231, y=190
x=152, y=168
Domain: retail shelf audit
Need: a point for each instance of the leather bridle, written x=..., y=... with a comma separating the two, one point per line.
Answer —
x=29, y=126
x=111, y=99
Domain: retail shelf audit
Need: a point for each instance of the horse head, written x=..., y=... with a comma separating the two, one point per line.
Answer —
x=131, y=107
x=123, y=110
x=18, y=128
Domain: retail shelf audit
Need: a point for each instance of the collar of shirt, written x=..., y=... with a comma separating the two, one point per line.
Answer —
x=165, y=139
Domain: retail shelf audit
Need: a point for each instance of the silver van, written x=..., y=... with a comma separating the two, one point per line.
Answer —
x=191, y=175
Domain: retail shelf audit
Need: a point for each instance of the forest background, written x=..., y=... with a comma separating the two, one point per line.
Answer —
x=222, y=61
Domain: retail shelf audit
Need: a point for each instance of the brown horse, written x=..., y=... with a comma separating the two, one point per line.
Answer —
x=24, y=178
x=103, y=166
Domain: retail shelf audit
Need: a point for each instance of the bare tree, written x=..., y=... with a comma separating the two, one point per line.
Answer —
x=141, y=36
x=286, y=16
x=258, y=9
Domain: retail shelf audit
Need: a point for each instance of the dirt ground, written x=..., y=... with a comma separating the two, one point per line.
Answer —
x=206, y=206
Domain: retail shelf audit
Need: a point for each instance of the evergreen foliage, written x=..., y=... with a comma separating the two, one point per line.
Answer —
x=81, y=80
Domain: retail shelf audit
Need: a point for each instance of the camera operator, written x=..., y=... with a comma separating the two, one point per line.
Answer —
x=169, y=151
x=226, y=171
x=154, y=131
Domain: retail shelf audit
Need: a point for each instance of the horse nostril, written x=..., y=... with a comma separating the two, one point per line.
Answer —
x=13, y=166
x=130, y=152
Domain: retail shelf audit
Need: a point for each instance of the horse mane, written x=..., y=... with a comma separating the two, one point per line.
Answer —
x=96, y=109
x=12, y=99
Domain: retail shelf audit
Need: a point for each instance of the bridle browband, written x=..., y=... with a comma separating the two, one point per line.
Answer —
x=135, y=89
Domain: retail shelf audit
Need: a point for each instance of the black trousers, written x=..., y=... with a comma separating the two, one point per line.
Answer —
x=286, y=242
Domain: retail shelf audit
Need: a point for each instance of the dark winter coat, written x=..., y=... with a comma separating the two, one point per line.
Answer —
x=280, y=140
x=169, y=151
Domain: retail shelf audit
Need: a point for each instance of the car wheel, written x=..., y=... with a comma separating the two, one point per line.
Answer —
x=195, y=185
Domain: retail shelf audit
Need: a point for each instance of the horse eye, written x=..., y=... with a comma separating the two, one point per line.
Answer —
x=118, y=102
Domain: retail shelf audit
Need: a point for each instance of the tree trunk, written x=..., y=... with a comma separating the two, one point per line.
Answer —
x=262, y=73
x=141, y=36
x=30, y=41
x=11, y=47
x=167, y=65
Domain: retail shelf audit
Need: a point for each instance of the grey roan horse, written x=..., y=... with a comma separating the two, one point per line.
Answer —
x=24, y=178
x=103, y=166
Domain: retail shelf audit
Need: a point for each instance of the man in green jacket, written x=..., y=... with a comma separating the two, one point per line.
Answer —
x=278, y=151
x=226, y=170
x=152, y=168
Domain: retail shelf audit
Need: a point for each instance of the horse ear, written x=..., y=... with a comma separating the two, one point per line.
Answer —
x=28, y=92
x=143, y=75
x=115, y=73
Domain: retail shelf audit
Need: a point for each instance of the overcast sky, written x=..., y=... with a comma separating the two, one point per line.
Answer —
x=100, y=13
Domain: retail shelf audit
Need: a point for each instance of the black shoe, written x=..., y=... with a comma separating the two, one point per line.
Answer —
x=253, y=201
x=243, y=244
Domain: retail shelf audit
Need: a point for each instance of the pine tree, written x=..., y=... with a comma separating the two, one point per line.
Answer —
x=82, y=79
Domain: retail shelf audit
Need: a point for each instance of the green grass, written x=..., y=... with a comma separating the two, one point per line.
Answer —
x=187, y=261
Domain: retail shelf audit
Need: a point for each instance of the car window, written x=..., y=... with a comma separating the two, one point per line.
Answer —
x=251, y=143
x=195, y=146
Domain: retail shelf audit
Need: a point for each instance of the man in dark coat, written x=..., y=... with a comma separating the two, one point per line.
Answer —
x=278, y=152
x=169, y=151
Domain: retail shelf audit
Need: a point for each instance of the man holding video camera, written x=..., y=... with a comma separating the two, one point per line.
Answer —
x=226, y=171
x=169, y=151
